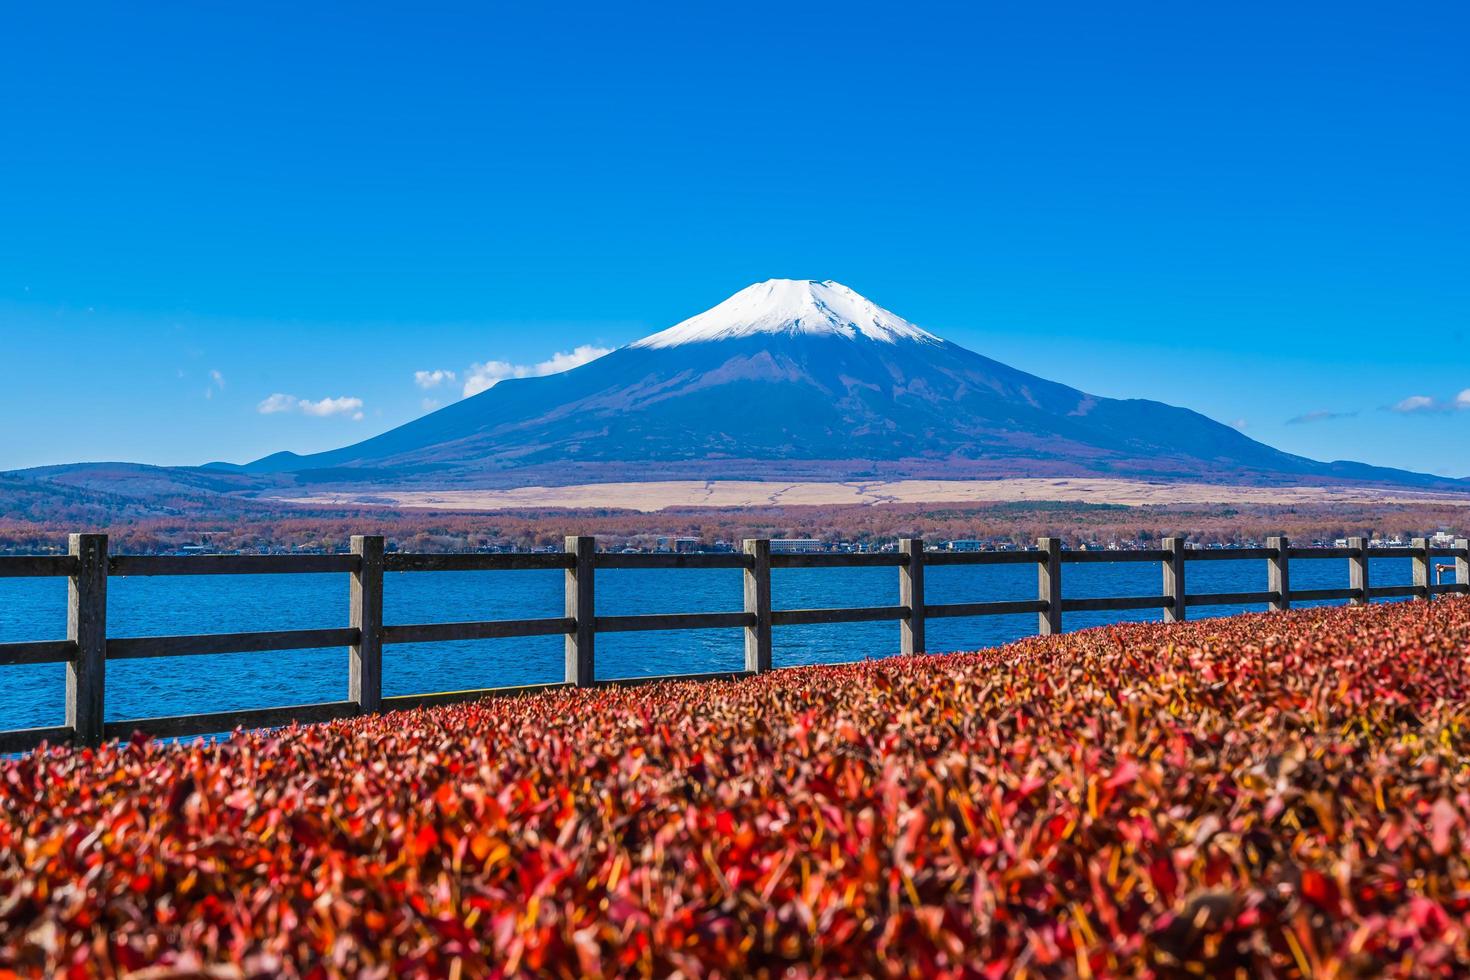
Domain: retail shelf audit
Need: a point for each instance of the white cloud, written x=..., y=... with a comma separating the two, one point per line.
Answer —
x=333, y=406
x=216, y=383
x=278, y=403
x=487, y=375
x=1239, y=424
x=1416, y=403
x=567, y=360
x=481, y=377
x=432, y=379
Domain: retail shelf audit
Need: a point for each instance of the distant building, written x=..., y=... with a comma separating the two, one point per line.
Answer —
x=966, y=544
x=680, y=546
x=795, y=546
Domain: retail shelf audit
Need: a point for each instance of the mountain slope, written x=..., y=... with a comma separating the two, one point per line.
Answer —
x=805, y=380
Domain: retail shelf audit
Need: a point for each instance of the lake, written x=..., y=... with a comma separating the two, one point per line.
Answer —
x=35, y=609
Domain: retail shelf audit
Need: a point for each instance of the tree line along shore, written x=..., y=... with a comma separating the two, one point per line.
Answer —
x=225, y=524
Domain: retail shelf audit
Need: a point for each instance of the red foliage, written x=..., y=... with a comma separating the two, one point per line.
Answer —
x=1273, y=794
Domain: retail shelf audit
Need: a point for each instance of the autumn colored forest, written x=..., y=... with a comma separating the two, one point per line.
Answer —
x=223, y=523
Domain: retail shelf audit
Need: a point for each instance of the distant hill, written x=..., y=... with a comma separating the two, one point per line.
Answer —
x=806, y=380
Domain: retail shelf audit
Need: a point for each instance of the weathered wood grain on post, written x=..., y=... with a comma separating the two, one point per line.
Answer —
x=758, y=604
x=1462, y=562
x=1049, y=586
x=1423, y=565
x=1278, y=572
x=1174, y=588
x=365, y=661
x=911, y=594
x=86, y=626
x=581, y=607
x=1358, y=578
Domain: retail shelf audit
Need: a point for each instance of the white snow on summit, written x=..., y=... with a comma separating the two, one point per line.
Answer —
x=791, y=306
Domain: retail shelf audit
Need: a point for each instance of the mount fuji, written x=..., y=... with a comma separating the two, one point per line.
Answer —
x=796, y=379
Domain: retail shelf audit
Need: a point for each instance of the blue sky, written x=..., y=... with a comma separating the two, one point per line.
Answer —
x=1256, y=210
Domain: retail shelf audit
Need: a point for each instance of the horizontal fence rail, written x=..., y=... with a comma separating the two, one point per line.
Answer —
x=87, y=567
x=37, y=566
x=230, y=564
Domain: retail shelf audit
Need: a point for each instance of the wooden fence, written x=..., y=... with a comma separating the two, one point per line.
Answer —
x=87, y=647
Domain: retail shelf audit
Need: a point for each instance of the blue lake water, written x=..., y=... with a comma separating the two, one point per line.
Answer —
x=35, y=609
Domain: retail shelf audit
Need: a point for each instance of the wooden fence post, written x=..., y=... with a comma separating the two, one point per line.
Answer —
x=1049, y=586
x=758, y=604
x=365, y=659
x=581, y=607
x=86, y=626
x=1278, y=573
x=1423, y=576
x=911, y=594
x=1462, y=564
x=1174, y=580
x=1358, y=571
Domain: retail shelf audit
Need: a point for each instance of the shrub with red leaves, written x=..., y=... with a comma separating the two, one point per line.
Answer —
x=1266, y=795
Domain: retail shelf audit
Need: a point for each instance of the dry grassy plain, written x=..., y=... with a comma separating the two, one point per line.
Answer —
x=657, y=496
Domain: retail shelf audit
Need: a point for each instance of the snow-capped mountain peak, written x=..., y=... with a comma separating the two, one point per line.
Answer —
x=816, y=383
x=791, y=306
